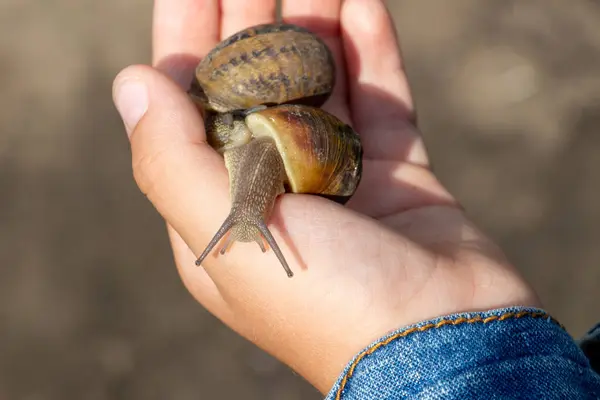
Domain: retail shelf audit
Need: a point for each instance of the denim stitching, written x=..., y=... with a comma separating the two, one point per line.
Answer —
x=444, y=322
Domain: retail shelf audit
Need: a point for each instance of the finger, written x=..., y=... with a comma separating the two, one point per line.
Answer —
x=183, y=32
x=323, y=18
x=240, y=14
x=170, y=156
x=380, y=99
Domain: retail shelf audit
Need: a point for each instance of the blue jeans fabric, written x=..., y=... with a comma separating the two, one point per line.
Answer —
x=510, y=353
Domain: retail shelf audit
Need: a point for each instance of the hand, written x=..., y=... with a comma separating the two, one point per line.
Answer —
x=402, y=250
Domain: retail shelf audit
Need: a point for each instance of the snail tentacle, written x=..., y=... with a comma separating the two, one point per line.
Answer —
x=225, y=227
x=273, y=244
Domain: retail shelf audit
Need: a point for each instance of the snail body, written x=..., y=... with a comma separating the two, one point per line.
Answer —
x=272, y=134
x=267, y=64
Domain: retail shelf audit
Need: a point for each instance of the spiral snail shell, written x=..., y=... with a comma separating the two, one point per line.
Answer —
x=265, y=65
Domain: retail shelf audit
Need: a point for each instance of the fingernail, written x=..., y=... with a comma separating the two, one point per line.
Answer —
x=131, y=100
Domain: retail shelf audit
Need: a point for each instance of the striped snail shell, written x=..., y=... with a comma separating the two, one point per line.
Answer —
x=265, y=65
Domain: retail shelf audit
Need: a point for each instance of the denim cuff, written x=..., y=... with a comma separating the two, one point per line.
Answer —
x=516, y=353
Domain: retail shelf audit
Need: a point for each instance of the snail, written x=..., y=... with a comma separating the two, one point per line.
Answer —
x=264, y=65
x=294, y=148
x=274, y=136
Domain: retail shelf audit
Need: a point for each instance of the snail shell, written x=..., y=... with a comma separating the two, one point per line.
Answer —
x=267, y=64
x=321, y=154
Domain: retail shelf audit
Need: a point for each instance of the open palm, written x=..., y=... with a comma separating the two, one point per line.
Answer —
x=400, y=252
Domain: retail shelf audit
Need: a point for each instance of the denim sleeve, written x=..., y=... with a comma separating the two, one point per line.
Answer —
x=510, y=353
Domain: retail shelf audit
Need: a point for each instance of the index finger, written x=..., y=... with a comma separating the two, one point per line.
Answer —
x=183, y=31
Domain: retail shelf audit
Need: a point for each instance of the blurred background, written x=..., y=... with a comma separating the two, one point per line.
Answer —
x=91, y=306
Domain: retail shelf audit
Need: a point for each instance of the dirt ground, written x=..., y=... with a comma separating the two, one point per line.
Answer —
x=91, y=306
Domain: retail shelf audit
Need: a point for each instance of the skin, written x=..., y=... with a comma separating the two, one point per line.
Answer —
x=401, y=251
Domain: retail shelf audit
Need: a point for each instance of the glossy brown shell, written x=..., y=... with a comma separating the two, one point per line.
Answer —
x=321, y=154
x=266, y=64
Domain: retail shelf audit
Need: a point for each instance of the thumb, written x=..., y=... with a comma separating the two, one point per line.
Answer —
x=172, y=163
